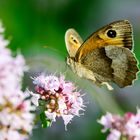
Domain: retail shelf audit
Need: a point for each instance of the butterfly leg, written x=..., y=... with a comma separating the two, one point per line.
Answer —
x=108, y=85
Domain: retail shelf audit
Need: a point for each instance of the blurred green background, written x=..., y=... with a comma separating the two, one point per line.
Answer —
x=37, y=28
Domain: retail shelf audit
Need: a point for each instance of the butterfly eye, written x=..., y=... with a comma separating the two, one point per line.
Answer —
x=111, y=33
x=74, y=40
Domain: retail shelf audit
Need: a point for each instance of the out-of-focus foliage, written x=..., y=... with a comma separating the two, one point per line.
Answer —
x=37, y=28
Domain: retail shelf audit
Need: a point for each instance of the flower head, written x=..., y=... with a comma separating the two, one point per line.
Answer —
x=127, y=126
x=59, y=97
x=16, y=119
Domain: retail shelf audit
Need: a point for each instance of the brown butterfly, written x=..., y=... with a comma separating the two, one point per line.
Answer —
x=106, y=55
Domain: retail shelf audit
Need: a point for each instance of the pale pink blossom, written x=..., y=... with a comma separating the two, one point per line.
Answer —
x=133, y=125
x=127, y=126
x=114, y=135
x=106, y=121
x=16, y=119
x=60, y=96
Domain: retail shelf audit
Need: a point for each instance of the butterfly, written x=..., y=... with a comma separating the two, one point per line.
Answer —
x=105, y=56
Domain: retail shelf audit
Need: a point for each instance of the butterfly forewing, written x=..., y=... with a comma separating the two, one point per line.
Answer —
x=118, y=33
x=73, y=42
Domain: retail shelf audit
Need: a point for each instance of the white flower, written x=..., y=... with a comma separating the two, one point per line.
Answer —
x=51, y=115
x=35, y=98
x=67, y=119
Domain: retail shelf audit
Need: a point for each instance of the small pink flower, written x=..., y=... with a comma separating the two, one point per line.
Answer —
x=60, y=97
x=127, y=126
x=114, y=135
x=106, y=121
x=133, y=125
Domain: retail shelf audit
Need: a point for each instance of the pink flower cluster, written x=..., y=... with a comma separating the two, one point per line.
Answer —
x=16, y=119
x=122, y=127
x=61, y=98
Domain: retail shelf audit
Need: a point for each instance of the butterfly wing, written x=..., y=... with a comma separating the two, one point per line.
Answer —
x=117, y=34
x=124, y=65
x=73, y=42
x=105, y=56
x=111, y=63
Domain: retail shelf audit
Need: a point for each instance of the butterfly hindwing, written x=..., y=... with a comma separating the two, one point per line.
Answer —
x=99, y=64
x=124, y=65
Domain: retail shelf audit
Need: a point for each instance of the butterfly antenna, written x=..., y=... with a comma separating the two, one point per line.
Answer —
x=54, y=50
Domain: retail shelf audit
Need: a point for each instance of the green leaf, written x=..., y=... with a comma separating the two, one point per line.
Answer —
x=44, y=121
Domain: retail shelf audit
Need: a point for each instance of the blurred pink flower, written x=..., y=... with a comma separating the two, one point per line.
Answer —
x=114, y=135
x=16, y=119
x=127, y=126
x=61, y=98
